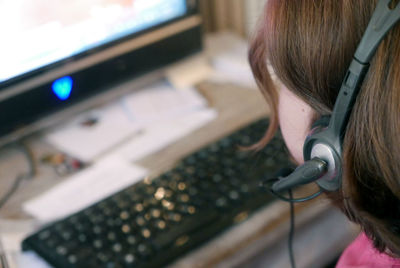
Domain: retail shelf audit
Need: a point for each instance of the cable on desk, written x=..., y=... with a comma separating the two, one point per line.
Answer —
x=291, y=201
x=267, y=185
x=24, y=149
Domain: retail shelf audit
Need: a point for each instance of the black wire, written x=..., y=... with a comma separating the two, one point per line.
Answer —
x=297, y=200
x=291, y=232
x=266, y=184
x=20, y=178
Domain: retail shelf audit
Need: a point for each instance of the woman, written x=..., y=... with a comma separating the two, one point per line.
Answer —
x=309, y=45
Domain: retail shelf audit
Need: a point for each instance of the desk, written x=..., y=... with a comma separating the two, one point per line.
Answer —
x=260, y=238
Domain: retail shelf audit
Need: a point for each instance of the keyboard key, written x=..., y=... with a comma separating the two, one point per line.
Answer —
x=117, y=247
x=129, y=259
x=132, y=240
x=160, y=224
x=144, y=250
x=155, y=213
x=61, y=250
x=140, y=221
x=126, y=228
x=97, y=244
x=221, y=202
x=146, y=233
x=234, y=195
x=72, y=259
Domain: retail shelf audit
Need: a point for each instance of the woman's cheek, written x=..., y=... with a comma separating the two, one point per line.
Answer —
x=295, y=118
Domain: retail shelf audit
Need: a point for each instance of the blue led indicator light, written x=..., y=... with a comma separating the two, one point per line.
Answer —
x=62, y=87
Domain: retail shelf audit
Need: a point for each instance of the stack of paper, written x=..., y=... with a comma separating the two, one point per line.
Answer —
x=103, y=179
x=158, y=136
x=162, y=102
x=93, y=133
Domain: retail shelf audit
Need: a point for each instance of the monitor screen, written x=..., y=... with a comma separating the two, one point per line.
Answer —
x=55, y=54
x=36, y=33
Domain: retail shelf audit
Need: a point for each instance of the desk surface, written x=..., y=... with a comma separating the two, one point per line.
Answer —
x=247, y=240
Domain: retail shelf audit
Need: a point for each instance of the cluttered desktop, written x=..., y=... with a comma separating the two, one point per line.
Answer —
x=131, y=143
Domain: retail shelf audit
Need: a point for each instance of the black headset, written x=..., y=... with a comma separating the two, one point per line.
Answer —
x=322, y=149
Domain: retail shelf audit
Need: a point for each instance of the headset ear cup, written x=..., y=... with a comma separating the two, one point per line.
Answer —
x=321, y=144
x=318, y=126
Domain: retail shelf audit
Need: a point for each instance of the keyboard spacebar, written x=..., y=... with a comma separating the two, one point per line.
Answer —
x=186, y=228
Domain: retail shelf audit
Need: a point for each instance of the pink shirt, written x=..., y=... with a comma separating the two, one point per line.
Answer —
x=361, y=254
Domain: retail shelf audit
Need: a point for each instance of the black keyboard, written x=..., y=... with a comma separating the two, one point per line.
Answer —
x=152, y=222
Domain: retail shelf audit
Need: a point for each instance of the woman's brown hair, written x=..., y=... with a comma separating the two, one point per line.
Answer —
x=309, y=45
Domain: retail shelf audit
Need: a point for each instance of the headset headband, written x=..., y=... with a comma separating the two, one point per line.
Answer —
x=382, y=21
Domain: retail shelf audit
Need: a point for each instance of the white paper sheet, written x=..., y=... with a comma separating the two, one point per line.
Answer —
x=30, y=260
x=162, y=102
x=93, y=133
x=104, y=178
x=158, y=136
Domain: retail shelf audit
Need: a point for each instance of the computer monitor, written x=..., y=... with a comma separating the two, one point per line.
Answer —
x=55, y=54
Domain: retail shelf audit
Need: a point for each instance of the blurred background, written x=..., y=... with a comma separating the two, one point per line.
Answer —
x=238, y=16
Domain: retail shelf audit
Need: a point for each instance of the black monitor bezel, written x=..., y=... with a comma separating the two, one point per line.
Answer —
x=20, y=113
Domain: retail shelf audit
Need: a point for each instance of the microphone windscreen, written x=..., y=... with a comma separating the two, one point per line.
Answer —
x=310, y=171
